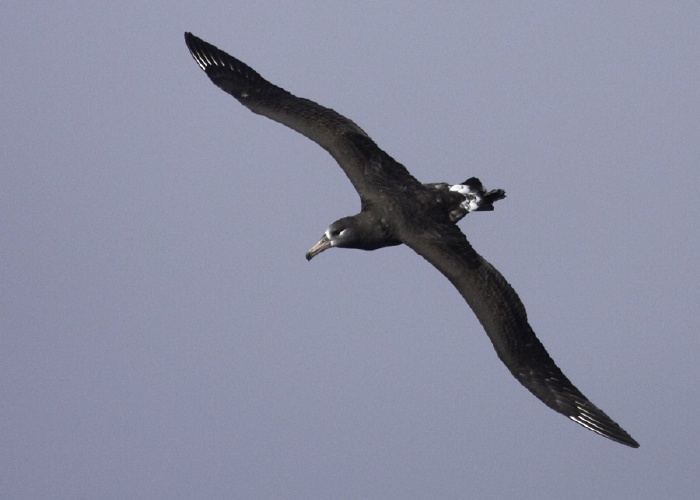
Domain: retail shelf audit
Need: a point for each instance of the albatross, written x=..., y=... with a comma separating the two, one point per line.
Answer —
x=398, y=209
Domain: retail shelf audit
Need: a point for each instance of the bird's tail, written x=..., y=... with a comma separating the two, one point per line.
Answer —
x=477, y=198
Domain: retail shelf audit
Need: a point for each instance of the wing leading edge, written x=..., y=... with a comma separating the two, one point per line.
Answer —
x=351, y=147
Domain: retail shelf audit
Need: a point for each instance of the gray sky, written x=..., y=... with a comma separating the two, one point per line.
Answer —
x=162, y=335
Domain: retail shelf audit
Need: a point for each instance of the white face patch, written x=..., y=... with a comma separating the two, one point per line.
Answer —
x=328, y=236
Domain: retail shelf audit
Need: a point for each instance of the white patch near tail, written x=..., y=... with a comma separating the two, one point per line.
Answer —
x=473, y=199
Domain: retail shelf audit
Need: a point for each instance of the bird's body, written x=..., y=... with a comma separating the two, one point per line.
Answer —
x=398, y=209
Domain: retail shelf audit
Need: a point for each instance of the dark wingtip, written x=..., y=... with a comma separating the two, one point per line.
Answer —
x=193, y=41
x=600, y=423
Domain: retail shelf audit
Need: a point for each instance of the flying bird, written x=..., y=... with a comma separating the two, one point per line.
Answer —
x=398, y=209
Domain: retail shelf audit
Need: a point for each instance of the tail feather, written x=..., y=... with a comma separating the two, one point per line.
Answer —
x=477, y=198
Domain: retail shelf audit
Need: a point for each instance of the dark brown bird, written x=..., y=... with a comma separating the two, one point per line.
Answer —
x=398, y=209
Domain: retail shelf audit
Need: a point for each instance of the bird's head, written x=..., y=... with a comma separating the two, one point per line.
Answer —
x=342, y=233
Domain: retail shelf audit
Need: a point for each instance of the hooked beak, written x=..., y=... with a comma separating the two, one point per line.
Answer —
x=319, y=247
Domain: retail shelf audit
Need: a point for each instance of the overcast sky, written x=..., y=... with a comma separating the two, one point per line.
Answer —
x=162, y=335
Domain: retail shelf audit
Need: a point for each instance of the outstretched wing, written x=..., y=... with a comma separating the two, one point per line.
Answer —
x=351, y=147
x=503, y=316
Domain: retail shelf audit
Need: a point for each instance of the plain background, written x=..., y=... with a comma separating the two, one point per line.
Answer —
x=162, y=335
